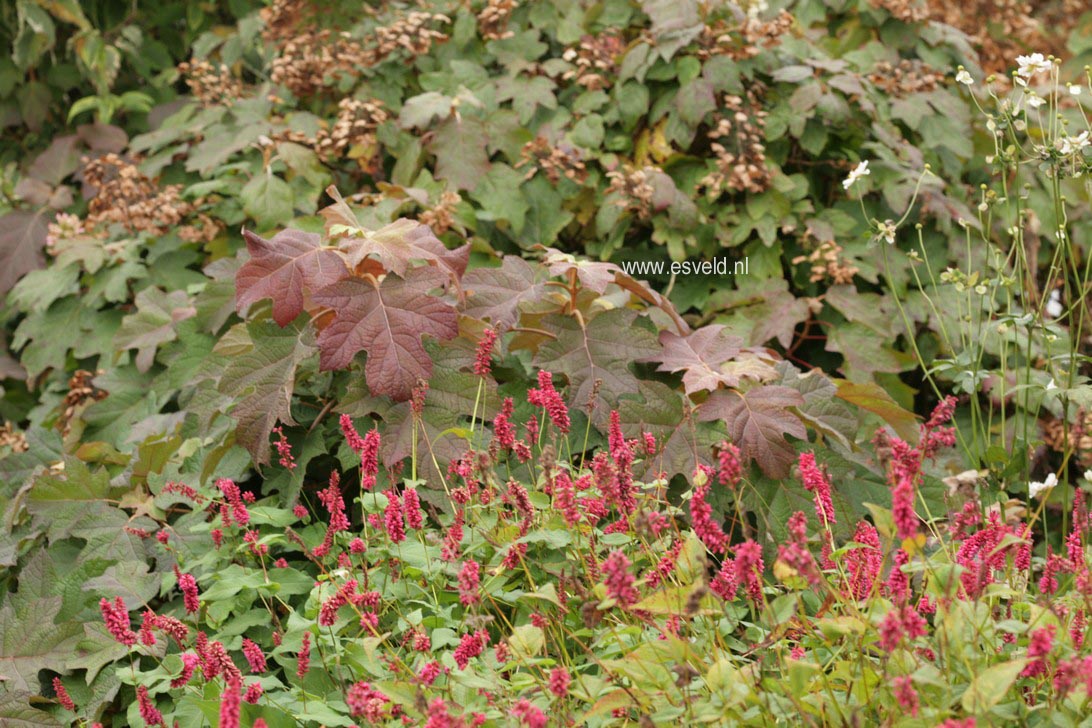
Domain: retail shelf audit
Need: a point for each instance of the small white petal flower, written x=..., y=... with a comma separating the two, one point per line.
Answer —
x=887, y=231
x=964, y=78
x=1074, y=89
x=1036, y=488
x=861, y=170
x=1032, y=64
x=1051, y=385
x=1088, y=475
x=1071, y=145
x=1054, y=305
x=1035, y=101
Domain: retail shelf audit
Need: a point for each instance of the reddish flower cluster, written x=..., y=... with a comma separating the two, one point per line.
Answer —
x=504, y=432
x=529, y=714
x=905, y=694
x=352, y=437
x=729, y=467
x=189, y=663
x=62, y=695
x=663, y=568
x=392, y=518
x=230, y=703
x=898, y=583
x=367, y=702
x=701, y=516
x=469, y=578
x=284, y=449
x=116, y=617
x=1039, y=648
x=234, y=498
x=816, y=482
x=863, y=563
x=795, y=553
x=483, y=359
x=900, y=624
x=618, y=579
x=981, y=554
x=470, y=646
x=188, y=586
x=149, y=713
x=548, y=398
x=749, y=567
x=559, y=681
x=303, y=657
x=254, y=656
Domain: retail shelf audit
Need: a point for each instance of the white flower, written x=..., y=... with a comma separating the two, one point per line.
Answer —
x=1035, y=488
x=887, y=231
x=1031, y=65
x=1054, y=305
x=1051, y=385
x=1070, y=145
x=1088, y=475
x=1035, y=101
x=1074, y=89
x=861, y=170
x=964, y=78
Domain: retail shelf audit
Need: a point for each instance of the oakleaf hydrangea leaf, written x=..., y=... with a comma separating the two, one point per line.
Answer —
x=600, y=350
x=757, y=423
x=284, y=268
x=387, y=320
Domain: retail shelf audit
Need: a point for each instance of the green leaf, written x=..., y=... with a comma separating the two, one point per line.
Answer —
x=526, y=641
x=16, y=711
x=30, y=641
x=267, y=200
x=460, y=149
x=596, y=357
x=154, y=323
x=22, y=237
x=872, y=397
x=261, y=381
x=990, y=685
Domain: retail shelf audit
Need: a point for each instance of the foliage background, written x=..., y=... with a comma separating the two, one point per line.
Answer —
x=616, y=131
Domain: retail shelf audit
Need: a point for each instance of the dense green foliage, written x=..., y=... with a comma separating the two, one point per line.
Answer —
x=191, y=302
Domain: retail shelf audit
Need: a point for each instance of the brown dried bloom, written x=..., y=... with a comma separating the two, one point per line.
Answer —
x=906, y=78
x=1079, y=436
x=555, y=161
x=440, y=217
x=355, y=127
x=827, y=263
x=493, y=19
x=410, y=33
x=739, y=148
x=9, y=437
x=284, y=19
x=312, y=61
x=211, y=86
x=634, y=189
x=595, y=59
x=80, y=390
x=743, y=39
x=126, y=197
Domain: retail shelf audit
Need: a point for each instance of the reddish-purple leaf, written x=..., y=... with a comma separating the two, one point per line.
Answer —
x=22, y=237
x=683, y=443
x=495, y=294
x=400, y=243
x=286, y=268
x=596, y=276
x=387, y=321
x=701, y=355
x=757, y=423
x=598, y=351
